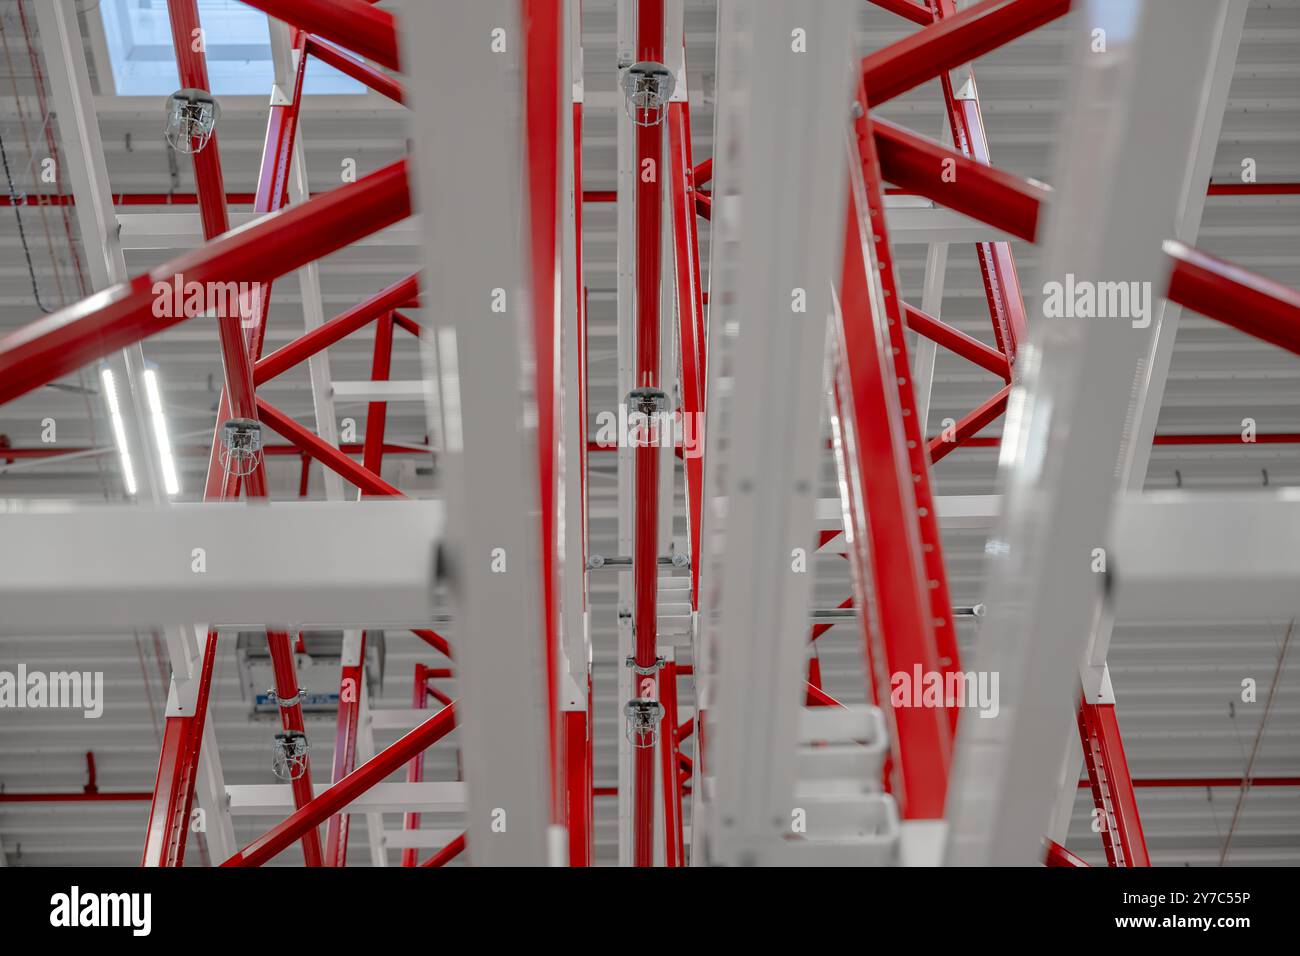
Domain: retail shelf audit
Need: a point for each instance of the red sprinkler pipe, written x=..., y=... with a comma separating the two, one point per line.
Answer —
x=645, y=564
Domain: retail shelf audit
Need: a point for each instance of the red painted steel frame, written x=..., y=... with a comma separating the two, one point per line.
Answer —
x=957, y=341
x=907, y=9
x=344, y=62
x=1220, y=290
x=951, y=42
x=448, y=853
x=577, y=792
x=690, y=318
x=365, y=480
x=939, y=447
x=891, y=511
x=670, y=754
x=64, y=341
x=337, y=329
x=990, y=195
x=544, y=34
x=345, y=791
x=1112, y=786
x=1058, y=855
x=645, y=563
x=345, y=752
x=415, y=769
x=178, y=767
x=997, y=266
x=352, y=24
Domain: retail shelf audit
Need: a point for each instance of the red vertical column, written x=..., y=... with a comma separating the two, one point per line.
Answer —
x=1112, y=786
x=345, y=751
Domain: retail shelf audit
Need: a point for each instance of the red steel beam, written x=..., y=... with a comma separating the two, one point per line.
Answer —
x=64, y=341
x=670, y=753
x=362, y=72
x=1058, y=855
x=336, y=329
x=690, y=321
x=448, y=853
x=645, y=563
x=346, y=790
x=997, y=266
x=968, y=347
x=990, y=195
x=577, y=791
x=286, y=688
x=433, y=639
x=1176, y=783
x=950, y=42
x=939, y=447
x=543, y=43
x=906, y=9
x=345, y=752
x=178, y=768
x=415, y=769
x=876, y=412
x=1253, y=189
x=352, y=24
x=377, y=412
x=1234, y=296
x=365, y=480
x=1112, y=787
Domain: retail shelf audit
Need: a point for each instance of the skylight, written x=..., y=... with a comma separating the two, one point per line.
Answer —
x=237, y=43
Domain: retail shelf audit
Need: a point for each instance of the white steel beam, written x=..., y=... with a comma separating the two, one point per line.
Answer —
x=277, y=800
x=107, y=568
x=782, y=118
x=382, y=391
x=1136, y=451
x=86, y=168
x=1207, y=556
x=468, y=127
x=1065, y=424
x=911, y=220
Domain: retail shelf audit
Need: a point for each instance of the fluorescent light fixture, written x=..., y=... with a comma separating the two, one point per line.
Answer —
x=119, y=428
x=159, y=421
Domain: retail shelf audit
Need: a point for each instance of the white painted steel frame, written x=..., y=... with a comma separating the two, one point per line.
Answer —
x=782, y=118
x=1060, y=461
x=467, y=107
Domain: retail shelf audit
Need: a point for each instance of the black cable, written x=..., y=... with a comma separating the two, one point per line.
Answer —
x=22, y=232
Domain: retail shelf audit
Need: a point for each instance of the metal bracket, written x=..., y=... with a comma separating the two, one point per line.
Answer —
x=650, y=671
x=287, y=702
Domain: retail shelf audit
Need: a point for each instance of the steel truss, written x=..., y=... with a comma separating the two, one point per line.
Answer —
x=525, y=718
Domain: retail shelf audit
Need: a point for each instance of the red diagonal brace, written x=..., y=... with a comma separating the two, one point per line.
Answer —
x=951, y=42
x=336, y=329
x=345, y=751
x=970, y=425
x=367, y=481
x=957, y=341
x=345, y=63
x=1004, y=201
x=352, y=24
x=62, y=342
x=1112, y=786
x=346, y=790
x=1220, y=290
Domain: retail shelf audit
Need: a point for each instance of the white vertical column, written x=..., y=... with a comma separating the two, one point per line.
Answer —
x=465, y=65
x=85, y=167
x=784, y=85
x=1060, y=462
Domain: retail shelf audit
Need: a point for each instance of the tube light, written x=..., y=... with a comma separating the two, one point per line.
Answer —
x=119, y=428
x=170, y=481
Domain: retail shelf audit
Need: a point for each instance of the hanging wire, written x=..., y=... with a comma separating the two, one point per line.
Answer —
x=17, y=203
